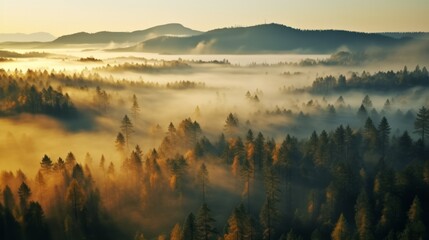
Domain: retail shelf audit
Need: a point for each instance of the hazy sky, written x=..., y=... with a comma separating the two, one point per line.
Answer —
x=67, y=16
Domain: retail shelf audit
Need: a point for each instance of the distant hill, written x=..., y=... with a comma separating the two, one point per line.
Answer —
x=415, y=35
x=22, y=37
x=173, y=29
x=267, y=38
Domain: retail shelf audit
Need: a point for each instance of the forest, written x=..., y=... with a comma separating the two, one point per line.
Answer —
x=344, y=184
x=109, y=147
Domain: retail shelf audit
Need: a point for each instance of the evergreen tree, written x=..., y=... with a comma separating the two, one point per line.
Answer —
x=24, y=194
x=203, y=177
x=231, y=124
x=341, y=230
x=70, y=161
x=269, y=212
x=362, y=113
x=415, y=228
x=127, y=129
x=8, y=199
x=120, y=142
x=238, y=225
x=383, y=135
x=366, y=102
x=189, y=230
x=35, y=224
x=370, y=135
x=76, y=198
x=421, y=124
x=46, y=163
x=176, y=232
x=363, y=217
x=205, y=223
x=135, y=109
x=259, y=151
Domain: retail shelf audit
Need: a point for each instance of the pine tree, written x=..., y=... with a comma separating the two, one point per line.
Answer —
x=366, y=102
x=362, y=113
x=35, y=224
x=205, y=223
x=231, y=124
x=189, y=230
x=383, y=135
x=269, y=212
x=363, y=217
x=8, y=199
x=370, y=135
x=46, y=163
x=70, y=161
x=421, y=124
x=238, y=225
x=203, y=177
x=135, y=109
x=415, y=228
x=127, y=129
x=341, y=230
x=24, y=194
x=76, y=198
x=120, y=142
x=176, y=232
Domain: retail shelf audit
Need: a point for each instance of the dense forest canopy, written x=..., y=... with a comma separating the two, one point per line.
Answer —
x=380, y=81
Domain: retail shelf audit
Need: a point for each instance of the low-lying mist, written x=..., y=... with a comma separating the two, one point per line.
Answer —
x=126, y=147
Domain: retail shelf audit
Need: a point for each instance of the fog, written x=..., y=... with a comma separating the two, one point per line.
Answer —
x=266, y=93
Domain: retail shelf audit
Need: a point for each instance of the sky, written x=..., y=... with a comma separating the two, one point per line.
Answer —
x=60, y=17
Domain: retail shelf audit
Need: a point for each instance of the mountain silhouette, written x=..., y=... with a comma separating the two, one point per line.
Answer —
x=174, y=29
x=267, y=38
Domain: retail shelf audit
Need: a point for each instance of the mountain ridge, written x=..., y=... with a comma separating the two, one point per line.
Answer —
x=265, y=38
x=26, y=37
x=122, y=37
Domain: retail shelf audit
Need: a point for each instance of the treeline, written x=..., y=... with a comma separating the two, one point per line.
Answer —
x=347, y=183
x=153, y=67
x=32, y=95
x=380, y=81
x=185, y=85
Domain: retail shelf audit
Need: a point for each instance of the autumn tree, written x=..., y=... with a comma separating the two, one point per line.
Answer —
x=176, y=232
x=238, y=225
x=341, y=230
x=363, y=217
x=178, y=169
x=415, y=228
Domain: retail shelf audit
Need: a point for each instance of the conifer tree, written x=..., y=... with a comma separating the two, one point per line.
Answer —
x=421, y=124
x=341, y=230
